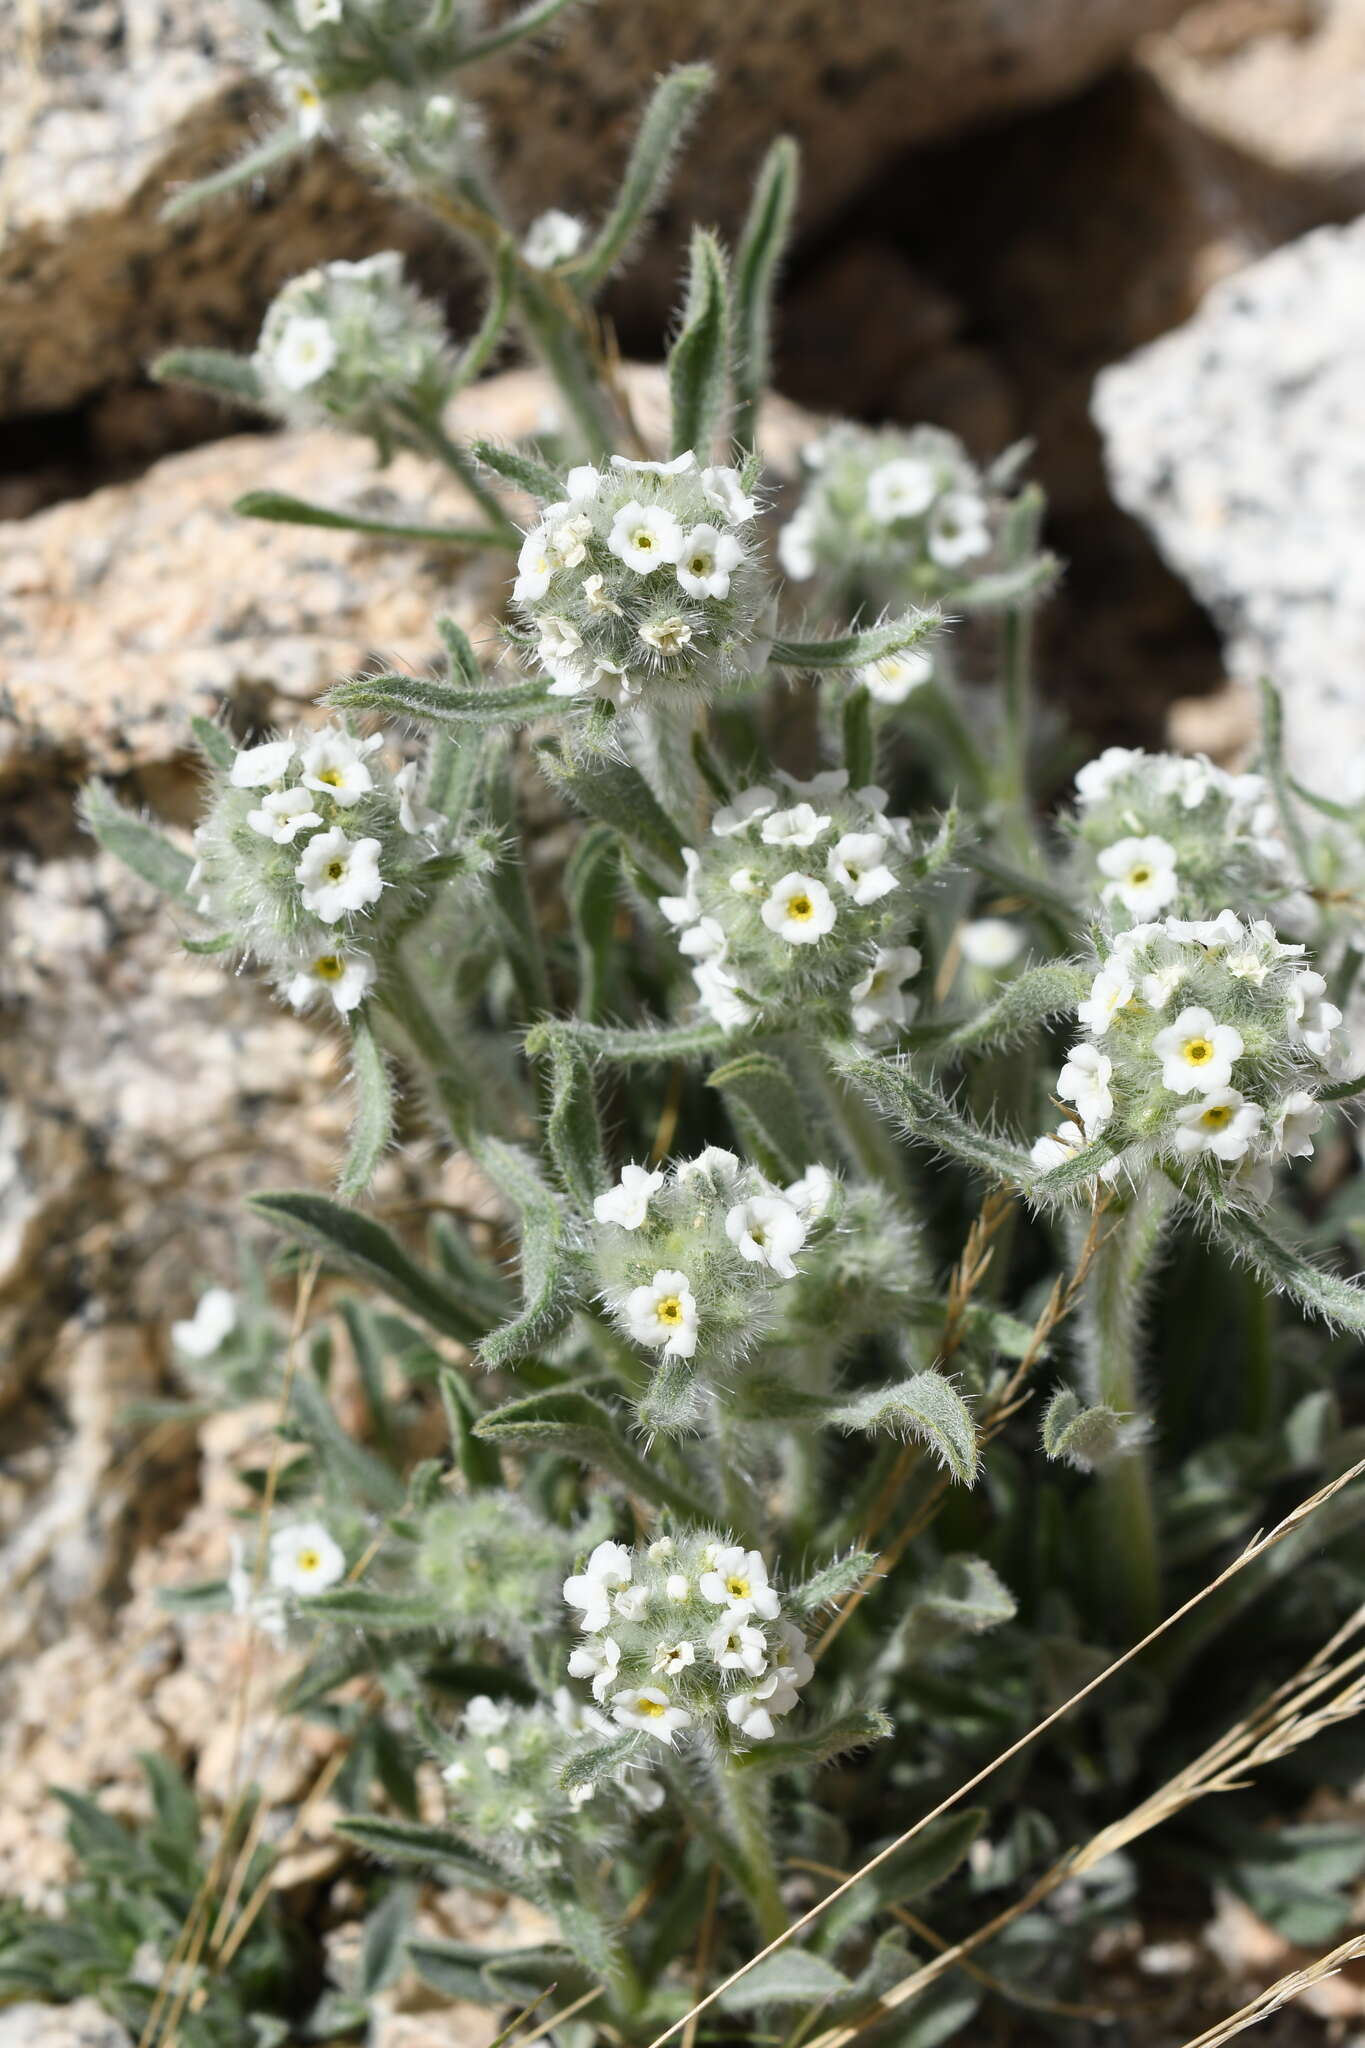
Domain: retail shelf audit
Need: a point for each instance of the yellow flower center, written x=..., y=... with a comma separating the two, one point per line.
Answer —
x=700, y=565
x=670, y=1309
x=801, y=908
x=308, y=1560
x=335, y=870
x=737, y=1588
x=328, y=967
x=1198, y=1052
x=1139, y=876
x=642, y=539
x=653, y=1708
x=332, y=777
x=1215, y=1116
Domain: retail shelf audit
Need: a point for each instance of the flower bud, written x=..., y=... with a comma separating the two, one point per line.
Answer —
x=348, y=344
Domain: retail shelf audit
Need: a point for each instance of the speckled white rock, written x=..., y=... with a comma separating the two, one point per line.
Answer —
x=1239, y=441
x=82, y=2025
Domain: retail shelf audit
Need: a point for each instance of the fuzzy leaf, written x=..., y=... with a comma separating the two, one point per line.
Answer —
x=527, y=21
x=521, y=470
x=666, y=120
x=927, y=1407
x=510, y=894
x=650, y=1045
x=857, y=649
x=607, y=787
x=699, y=360
x=1084, y=1437
x=1024, y=1003
x=478, y=1462
x=358, y=1245
x=277, y=148
x=408, y=1841
x=551, y=1275
x=287, y=510
x=592, y=1766
x=213, y=743
x=839, y=1736
x=478, y=351
x=1277, y=775
x=455, y=1969
x=1075, y=1175
x=573, y=1131
x=372, y=1125
x=356, y=1473
x=437, y=703
x=792, y=1977
x=215, y=370
x=1024, y=583
x=964, y=1597
x=833, y=1581
x=1337, y=1302
x=910, y=1874
x=762, y=245
x=567, y=1420
x=859, y=747
x=923, y=1113
x=368, y=1607
x=139, y=845
x=384, y=1943
x=767, y=1113
x=592, y=884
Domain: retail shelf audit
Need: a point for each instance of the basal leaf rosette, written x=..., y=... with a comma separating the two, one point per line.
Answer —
x=644, y=581
x=684, y=1639
x=892, y=512
x=354, y=345
x=801, y=898
x=690, y=1261
x=314, y=851
x=1166, y=834
x=1205, y=1045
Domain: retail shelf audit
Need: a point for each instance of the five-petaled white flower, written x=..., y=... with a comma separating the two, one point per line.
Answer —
x=645, y=537
x=590, y=1590
x=485, y=1717
x=958, y=529
x=738, y=1578
x=214, y=1320
x=628, y=1202
x=802, y=825
x=535, y=565
x=1223, y=1123
x=706, y=560
x=334, y=763
x=671, y=1658
x=812, y=1194
x=305, y=351
x=346, y=977
x=767, y=1230
x=598, y=1661
x=901, y=489
x=881, y=1003
x=1142, y=874
x=1084, y=1080
x=892, y=677
x=1110, y=992
x=1196, y=1053
x=664, y=1314
x=647, y=1708
x=737, y=1645
x=799, y=909
x=1296, y=1119
x=666, y=636
x=337, y=874
x=725, y=494
x=552, y=238
x=283, y=814
x=1313, y=1019
x=261, y=767
x=305, y=1558
x=858, y=864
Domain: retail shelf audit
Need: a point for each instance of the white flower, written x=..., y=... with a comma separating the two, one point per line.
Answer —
x=748, y=805
x=524, y=1819
x=305, y=1558
x=552, y=238
x=261, y=767
x=799, y=909
x=684, y=909
x=880, y=1002
x=1055, y=1151
x=311, y=14
x=1296, y=1119
x=415, y=819
x=535, y=566
x=672, y=1658
x=738, y=1578
x=484, y=1717
x=283, y=814
x=720, y=996
x=305, y=351
x=595, y=593
x=705, y=562
x=337, y=874
x=667, y=636
x=991, y=943
x=346, y=977
x=725, y=494
x=335, y=763
x=664, y=1314
x=583, y=483
x=796, y=544
x=1110, y=991
x=559, y=642
x=301, y=95
x=704, y=940
x=892, y=677
x=597, y=1661
x=651, y=1710
x=1212, y=933
x=590, y=1590
x=677, y=1587
x=628, y=1202
x=456, y=1773
x=856, y=863
x=498, y=1759
x=1161, y=984
x=958, y=529
x=812, y=1194
x=901, y=489
x=1098, y=777
x=746, y=881
x=645, y=537
x=802, y=825
x=1144, y=875
x=1196, y=1053
x=214, y=1319
x=569, y=532
x=1312, y=1019
x=1223, y=1123
x=767, y=1230
x=631, y=1602
x=678, y=466
x=1084, y=1080
x=737, y=1645
x=713, y=1163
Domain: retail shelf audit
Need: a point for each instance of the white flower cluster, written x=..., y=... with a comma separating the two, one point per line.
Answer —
x=351, y=343
x=801, y=892
x=644, y=576
x=329, y=58
x=304, y=836
x=502, y=1775
x=906, y=511
x=420, y=140
x=1205, y=1041
x=686, y=1636
x=687, y=1260
x=1172, y=832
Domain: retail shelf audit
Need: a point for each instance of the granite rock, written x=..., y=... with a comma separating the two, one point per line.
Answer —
x=83, y=2025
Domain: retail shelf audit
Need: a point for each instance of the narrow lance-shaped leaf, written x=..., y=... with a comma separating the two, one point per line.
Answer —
x=406, y=1841
x=464, y=662
x=215, y=370
x=666, y=120
x=839, y=1736
x=1337, y=1302
x=358, y=1245
x=551, y=1275
x=699, y=360
x=857, y=649
x=925, y=1114
x=767, y=1112
x=510, y=893
x=859, y=751
x=455, y=774
x=927, y=1407
x=421, y=697
x=647, y=1046
x=572, y=1422
x=478, y=1461
x=213, y=743
x=520, y=470
x=276, y=149
x=592, y=884
x=286, y=510
x=478, y=351
x=832, y=1583
x=1030, y=999
x=138, y=844
x=370, y=1607
x=761, y=247
x=1276, y=774
x=610, y=788
x=573, y=1131
x=527, y=21
x=917, y=1869
x=372, y=1124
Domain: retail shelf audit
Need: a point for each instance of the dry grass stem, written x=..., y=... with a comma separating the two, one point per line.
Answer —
x=1280, y=1993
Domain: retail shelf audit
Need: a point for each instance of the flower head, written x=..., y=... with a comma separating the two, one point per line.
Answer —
x=305, y=1558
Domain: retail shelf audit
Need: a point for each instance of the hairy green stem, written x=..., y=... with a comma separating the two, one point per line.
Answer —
x=433, y=437
x=743, y=1800
x=405, y=1002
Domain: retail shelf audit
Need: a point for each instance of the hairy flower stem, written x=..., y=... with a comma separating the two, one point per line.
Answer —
x=742, y=1798
x=404, y=1001
x=1127, y=1558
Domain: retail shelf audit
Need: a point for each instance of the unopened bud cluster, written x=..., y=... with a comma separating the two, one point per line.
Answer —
x=494, y=1564
x=354, y=345
x=327, y=56
x=893, y=510
x=686, y=1638
x=1170, y=833
x=311, y=852
x=689, y=1260
x=1205, y=1043
x=644, y=579
x=802, y=893
x=420, y=140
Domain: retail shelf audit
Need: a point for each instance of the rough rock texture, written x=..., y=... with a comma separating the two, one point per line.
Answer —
x=1240, y=441
x=114, y=102
x=82, y=2025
